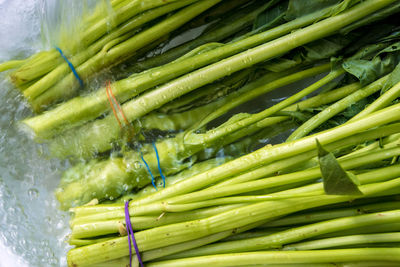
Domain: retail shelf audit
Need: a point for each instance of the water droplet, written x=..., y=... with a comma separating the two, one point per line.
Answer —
x=33, y=193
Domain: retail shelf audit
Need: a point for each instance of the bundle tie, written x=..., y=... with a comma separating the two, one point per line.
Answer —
x=70, y=66
x=115, y=105
x=158, y=164
x=116, y=108
x=149, y=171
x=131, y=237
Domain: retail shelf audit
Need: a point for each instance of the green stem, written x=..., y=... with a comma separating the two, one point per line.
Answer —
x=12, y=64
x=287, y=257
x=336, y=108
x=379, y=228
x=381, y=102
x=123, y=13
x=317, y=216
x=364, y=240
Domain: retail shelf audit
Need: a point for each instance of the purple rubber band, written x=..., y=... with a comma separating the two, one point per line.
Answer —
x=131, y=236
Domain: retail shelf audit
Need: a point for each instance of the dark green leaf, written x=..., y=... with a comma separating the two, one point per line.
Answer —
x=299, y=8
x=271, y=17
x=335, y=179
x=326, y=47
x=369, y=70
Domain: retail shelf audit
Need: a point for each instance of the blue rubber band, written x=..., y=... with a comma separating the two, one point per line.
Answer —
x=148, y=169
x=158, y=164
x=70, y=66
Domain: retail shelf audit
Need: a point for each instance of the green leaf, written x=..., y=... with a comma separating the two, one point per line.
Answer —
x=326, y=47
x=299, y=8
x=335, y=179
x=271, y=17
x=381, y=64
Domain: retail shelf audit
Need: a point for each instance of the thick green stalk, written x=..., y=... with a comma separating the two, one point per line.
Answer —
x=336, y=108
x=379, y=228
x=85, y=108
x=104, y=43
x=287, y=257
x=12, y=64
x=123, y=13
x=293, y=235
x=84, y=217
x=123, y=261
x=85, y=242
x=364, y=240
x=376, y=16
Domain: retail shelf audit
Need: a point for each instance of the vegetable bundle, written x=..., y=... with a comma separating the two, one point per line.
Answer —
x=172, y=135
